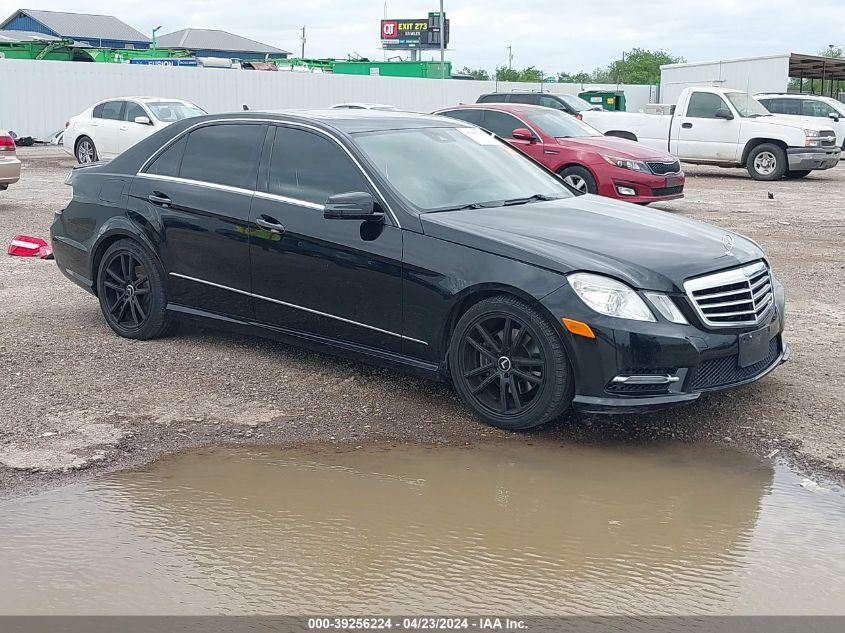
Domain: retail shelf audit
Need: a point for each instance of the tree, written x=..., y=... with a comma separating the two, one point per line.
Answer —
x=476, y=73
x=640, y=66
x=580, y=77
x=503, y=73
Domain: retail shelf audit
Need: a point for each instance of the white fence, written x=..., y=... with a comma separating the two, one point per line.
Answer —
x=39, y=96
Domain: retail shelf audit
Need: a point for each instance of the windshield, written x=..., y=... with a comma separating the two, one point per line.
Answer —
x=746, y=105
x=556, y=123
x=578, y=104
x=438, y=169
x=170, y=111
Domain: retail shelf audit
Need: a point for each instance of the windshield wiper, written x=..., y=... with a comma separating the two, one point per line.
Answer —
x=537, y=197
x=471, y=205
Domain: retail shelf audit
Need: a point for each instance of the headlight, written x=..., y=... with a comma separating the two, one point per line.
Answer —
x=666, y=307
x=811, y=133
x=812, y=138
x=625, y=163
x=610, y=297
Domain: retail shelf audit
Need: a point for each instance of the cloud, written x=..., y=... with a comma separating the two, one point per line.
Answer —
x=550, y=35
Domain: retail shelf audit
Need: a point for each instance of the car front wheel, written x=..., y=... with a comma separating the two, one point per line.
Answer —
x=579, y=178
x=509, y=365
x=767, y=162
x=86, y=151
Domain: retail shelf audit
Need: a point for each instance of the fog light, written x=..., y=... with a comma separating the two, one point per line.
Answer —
x=626, y=191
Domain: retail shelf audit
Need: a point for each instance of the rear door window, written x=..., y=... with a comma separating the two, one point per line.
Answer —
x=783, y=106
x=109, y=110
x=224, y=154
x=500, y=123
x=494, y=98
x=470, y=116
x=168, y=162
x=310, y=167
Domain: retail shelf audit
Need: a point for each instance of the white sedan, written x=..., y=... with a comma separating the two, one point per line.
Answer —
x=112, y=126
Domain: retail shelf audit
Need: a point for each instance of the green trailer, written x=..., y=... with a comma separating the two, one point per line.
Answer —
x=419, y=70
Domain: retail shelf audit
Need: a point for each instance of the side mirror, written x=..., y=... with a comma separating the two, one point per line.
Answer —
x=722, y=113
x=355, y=205
x=833, y=115
x=523, y=134
x=143, y=120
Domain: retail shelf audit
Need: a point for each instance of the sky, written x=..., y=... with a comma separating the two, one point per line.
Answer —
x=554, y=35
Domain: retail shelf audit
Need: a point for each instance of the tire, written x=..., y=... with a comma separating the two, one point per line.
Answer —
x=798, y=173
x=579, y=178
x=85, y=151
x=767, y=162
x=130, y=286
x=536, y=379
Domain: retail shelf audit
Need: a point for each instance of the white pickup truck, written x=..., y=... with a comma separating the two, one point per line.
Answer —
x=729, y=128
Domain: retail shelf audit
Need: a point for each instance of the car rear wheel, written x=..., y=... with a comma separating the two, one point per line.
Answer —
x=509, y=365
x=86, y=151
x=798, y=173
x=579, y=178
x=767, y=162
x=130, y=286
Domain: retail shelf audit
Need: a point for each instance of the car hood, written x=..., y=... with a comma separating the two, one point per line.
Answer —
x=800, y=122
x=646, y=248
x=615, y=146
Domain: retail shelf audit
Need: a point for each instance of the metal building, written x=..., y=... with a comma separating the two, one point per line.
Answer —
x=103, y=31
x=215, y=43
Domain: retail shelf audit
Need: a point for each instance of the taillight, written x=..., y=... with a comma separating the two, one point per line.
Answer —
x=7, y=144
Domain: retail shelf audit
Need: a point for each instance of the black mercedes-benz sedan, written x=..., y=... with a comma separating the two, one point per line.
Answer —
x=425, y=244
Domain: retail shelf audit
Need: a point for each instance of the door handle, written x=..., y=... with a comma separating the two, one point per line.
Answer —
x=686, y=126
x=124, y=127
x=271, y=224
x=156, y=197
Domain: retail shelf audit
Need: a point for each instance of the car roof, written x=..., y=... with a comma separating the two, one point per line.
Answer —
x=793, y=95
x=362, y=104
x=513, y=108
x=348, y=121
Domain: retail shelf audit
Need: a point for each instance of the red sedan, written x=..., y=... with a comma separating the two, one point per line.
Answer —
x=587, y=160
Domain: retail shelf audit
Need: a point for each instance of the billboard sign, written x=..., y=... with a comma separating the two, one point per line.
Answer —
x=418, y=33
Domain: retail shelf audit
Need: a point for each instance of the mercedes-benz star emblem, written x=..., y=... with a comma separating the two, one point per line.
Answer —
x=728, y=241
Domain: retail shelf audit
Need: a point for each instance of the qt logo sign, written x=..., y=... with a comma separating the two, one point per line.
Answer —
x=389, y=29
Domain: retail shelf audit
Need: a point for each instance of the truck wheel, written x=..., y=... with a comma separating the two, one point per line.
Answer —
x=798, y=173
x=767, y=162
x=579, y=179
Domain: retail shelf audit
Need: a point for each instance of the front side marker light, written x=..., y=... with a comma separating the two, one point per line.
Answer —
x=578, y=327
x=666, y=307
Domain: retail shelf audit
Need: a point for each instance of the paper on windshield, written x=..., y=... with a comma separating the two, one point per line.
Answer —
x=479, y=136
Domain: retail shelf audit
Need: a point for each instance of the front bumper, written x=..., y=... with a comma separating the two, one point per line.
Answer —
x=624, y=184
x=802, y=158
x=692, y=359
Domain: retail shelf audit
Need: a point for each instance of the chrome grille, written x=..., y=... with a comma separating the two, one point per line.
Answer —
x=741, y=296
x=662, y=168
x=828, y=138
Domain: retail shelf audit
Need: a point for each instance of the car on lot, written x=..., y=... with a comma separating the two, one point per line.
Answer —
x=813, y=107
x=112, y=126
x=365, y=106
x=565, y=103
x=587, y=160
x=10, y=166
x=423, y=243
x=728, y=128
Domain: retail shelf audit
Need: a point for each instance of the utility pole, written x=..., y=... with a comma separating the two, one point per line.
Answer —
x=442, y=42
x=303, y=43
x=510, y=57
x=155, y=30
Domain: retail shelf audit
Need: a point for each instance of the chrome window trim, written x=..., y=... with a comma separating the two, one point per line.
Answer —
x=295, y=201
x=280, y=123
x=199, y=183
x=298, y=307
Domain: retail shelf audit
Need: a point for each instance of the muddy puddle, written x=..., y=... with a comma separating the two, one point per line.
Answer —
x=507, y=528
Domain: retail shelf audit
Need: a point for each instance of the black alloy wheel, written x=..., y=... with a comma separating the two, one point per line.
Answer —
x=509, y=365
x=131, y=292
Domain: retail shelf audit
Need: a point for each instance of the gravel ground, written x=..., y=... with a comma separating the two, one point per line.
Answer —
x=79, y=400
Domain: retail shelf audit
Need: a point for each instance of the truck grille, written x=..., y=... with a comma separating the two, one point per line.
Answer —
x=736, y=297
x=662, y=168
x=725, y=371
x=828, y=138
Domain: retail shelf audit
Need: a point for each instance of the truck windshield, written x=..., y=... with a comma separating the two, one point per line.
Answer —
x=439, y=169
x=556, y=123
x=746, y=105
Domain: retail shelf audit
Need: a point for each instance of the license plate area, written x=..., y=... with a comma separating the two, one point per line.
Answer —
x=754, y=346
x=673, y=181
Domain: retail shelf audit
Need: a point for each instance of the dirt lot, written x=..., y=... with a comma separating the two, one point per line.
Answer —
x=79, y=400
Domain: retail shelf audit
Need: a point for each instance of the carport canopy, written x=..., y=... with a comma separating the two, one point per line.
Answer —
x=816, y=67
